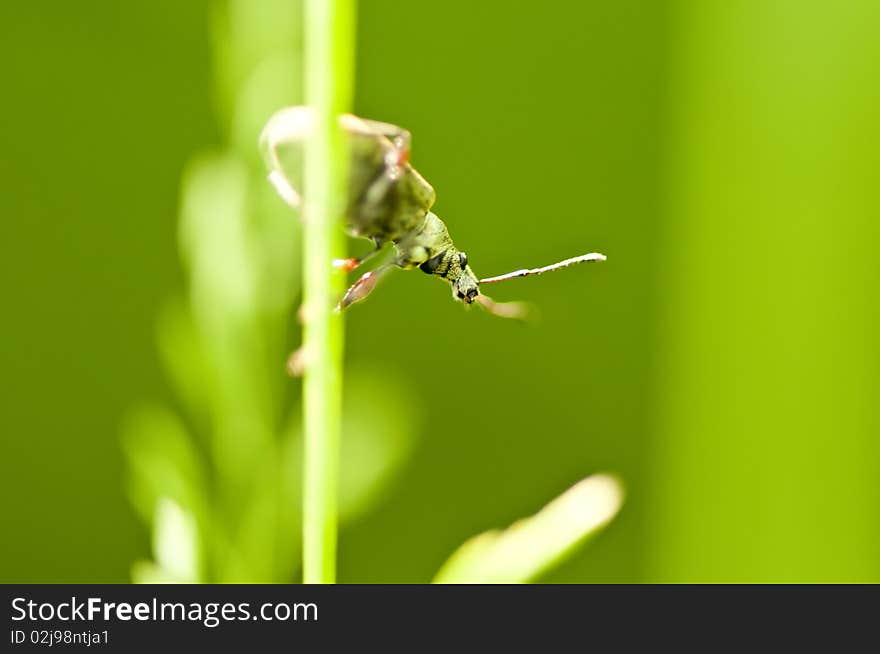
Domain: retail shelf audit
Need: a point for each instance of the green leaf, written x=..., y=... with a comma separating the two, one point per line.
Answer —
x=183, y=357
x=222, y=259
x=175, y=548
x=380, y=420
x=533, y=545
x=378, y=427
x=147, y=572
x=175, y=541
x=162, y=461
x=253, y=550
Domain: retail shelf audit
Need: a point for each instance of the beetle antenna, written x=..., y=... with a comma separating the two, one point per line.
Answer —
x=514, y=310
x=592, y=256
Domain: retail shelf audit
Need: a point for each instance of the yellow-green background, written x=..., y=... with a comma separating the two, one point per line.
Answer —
x=724, y=360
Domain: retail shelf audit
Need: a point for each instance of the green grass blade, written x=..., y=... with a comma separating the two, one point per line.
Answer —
x=533, y=545
x=329, y=87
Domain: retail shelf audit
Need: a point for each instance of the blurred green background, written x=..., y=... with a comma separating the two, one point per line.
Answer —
x=724, y=361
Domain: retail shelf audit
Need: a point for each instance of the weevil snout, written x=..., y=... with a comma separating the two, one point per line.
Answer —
x=465, y=288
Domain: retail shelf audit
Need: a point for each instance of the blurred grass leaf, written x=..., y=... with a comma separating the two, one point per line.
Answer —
x=221, y=255
x=378, y=425
x=229, y=512
x=163, y=462
x=175, y=540
x=255, y=554
x=175, y=547
x=183, y=357
x=380, y=419
x=533, y=545
x=247, y=34
x=214, y=237
x=147, y=572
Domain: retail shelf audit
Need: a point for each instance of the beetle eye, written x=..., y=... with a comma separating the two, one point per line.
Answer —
x=431, y=264
x=462, y=260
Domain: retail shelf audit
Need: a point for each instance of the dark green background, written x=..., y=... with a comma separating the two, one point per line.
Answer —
x=724, y=360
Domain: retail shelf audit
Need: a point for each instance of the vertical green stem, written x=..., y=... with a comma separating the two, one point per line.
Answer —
x=329, y=87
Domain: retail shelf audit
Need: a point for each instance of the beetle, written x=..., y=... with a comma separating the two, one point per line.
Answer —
x=387, y=201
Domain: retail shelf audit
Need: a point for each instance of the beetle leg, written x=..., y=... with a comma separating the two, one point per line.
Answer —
x=513, y=310
x=362, y=287
x=350, y=264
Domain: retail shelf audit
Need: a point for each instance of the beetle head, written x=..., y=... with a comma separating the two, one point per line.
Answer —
x=466, y=287
x=452, y=265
